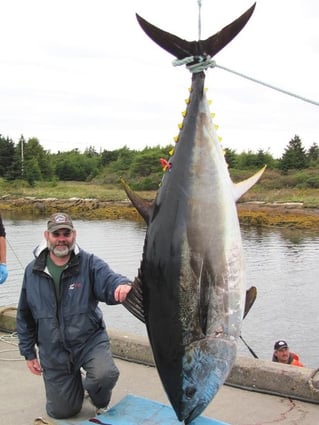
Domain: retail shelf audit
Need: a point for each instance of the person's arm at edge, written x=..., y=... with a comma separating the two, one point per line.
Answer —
x=3, y=253
x=3, y=250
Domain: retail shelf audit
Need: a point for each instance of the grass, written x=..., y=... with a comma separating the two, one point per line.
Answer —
x=63, y=190
x=271, y=188
x=308, y=197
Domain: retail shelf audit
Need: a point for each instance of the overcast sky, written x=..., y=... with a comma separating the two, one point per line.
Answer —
x=80, y=73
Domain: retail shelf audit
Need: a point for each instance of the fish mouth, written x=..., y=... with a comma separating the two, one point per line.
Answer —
x=194, y=413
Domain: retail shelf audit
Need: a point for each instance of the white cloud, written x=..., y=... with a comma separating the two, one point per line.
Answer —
x=82, y=73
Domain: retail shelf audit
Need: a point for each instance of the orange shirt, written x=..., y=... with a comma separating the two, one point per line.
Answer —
x=295, y=360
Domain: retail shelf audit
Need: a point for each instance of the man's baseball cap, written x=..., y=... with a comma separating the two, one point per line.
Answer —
x=59, y=221
x=280, y=344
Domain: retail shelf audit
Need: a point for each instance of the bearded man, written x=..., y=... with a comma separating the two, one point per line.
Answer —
x=61, y=330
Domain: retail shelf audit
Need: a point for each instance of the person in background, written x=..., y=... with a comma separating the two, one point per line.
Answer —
x=58, y=317
x=3, y=253
x=283, y=355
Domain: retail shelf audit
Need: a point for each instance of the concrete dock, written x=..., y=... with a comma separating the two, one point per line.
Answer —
x=257, y=392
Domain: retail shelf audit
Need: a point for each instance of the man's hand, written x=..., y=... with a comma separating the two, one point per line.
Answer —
x=34, y=366
x=121, y=292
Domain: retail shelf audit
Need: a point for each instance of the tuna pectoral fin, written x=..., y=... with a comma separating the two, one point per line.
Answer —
x=251, y=295
x=134, y=300
x=241, y=188
x=143, y=207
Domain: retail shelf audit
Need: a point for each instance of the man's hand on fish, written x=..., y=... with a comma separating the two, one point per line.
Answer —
x=121, y=292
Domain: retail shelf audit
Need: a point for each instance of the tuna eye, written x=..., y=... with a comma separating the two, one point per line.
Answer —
x=189, y=392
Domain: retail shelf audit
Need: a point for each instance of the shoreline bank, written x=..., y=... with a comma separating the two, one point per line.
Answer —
x=278, y=214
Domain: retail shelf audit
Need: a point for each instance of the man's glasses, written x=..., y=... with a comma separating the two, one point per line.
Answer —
x=65, y=233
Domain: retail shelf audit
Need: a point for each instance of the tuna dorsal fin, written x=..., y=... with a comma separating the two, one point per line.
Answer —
x=251, y=295
x=143, y=207
x=182, y=48
x=242, y=187
x=134, y=300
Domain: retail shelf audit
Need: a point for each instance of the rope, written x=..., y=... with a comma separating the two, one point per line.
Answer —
x=199, y=19
x=11, y=339
x=199, y=64
x=14, y=253
x=268, y=85
x=39, y=421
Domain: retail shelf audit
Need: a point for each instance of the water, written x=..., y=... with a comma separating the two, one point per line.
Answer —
x=282, y=264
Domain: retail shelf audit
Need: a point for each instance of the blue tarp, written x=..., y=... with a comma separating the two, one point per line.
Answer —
x=133, y=410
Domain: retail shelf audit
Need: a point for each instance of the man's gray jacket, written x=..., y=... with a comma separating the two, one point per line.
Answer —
x=64, y=331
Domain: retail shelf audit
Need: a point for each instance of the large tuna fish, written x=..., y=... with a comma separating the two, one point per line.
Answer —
x=190, y=291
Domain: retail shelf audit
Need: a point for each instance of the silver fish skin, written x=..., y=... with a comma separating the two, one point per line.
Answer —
x=193, y=269
x=191, y=286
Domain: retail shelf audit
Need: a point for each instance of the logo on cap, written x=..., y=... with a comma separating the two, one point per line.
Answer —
x=59, y=221
x=280, y=344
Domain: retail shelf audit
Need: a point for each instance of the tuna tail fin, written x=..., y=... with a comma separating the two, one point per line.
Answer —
x=242, y=187
x=182, y=48
x=143, y=207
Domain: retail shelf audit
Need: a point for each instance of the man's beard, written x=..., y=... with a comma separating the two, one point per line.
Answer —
x=58, y=252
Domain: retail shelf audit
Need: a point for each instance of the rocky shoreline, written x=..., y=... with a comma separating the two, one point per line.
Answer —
x=279, y=214
x=288, y=215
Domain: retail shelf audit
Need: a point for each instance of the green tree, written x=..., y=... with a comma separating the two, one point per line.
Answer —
x=74, y=165
x=230, y=157
x=34, y=150
x=15, y=170
x=294, y=156
x=147, y=162
x=144, y=164
x=265, y=158
x=123, y=162
x=313, y=153
x=108, y=156
x=246, y=160
x=7, y=155
x=91, y=152
x=32, y=171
